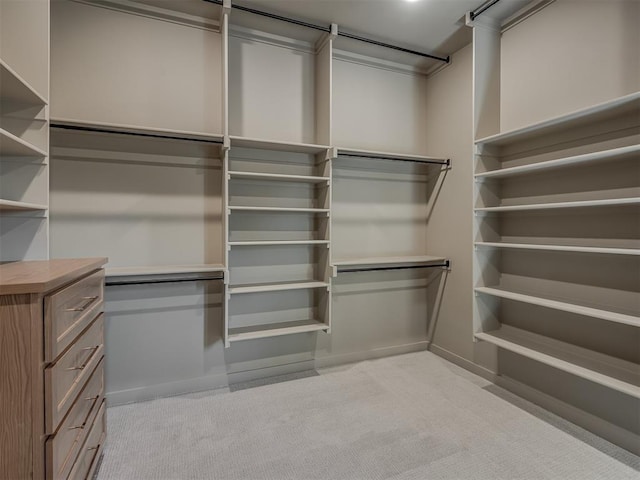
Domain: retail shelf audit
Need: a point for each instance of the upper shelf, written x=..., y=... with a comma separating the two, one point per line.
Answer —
x=613, y=154
x=12, y=146
x=597, y=113
x=349, y=152
x=246, y=142
x=557, y=205
x=561, y=248
x=417, y=260
x=124, y=129
x=13, y=88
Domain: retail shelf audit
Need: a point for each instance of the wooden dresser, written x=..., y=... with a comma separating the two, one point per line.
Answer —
x=52, y=411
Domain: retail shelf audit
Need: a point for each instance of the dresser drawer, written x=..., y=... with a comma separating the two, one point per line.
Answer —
x=68, y=376
x=63, y=448
x=87, y=461
x=69, y=311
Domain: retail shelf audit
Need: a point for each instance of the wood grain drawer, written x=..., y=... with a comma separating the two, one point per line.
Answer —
x=69, y=311
x=63, y=448
x=87, y=461
x=68, y=376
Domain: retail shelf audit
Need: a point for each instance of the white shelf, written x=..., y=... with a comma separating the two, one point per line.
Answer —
x=275, y=330
x=12, y=146
x=561, y=248
x=605, y=370
x=262, y=144
x=563, y=306
x=252, y=243
x=612, y=154
x=278, y=177
x=13, y=88
x=163, y=270
x=594, y=114
x=574, y=204
x=278, y=209
x=390, y=156
x=277, y=287
x=388, y=261
x=129, y=129
x=12, y=206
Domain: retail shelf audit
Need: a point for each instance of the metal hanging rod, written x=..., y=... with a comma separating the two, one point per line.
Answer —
x=482, y=8
x=131, y=133
x=393, y=47
x=446, y=162
x=328, y=29
x=110, y=283
x=446, y=264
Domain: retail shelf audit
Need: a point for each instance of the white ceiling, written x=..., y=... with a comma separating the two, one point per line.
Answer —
x=431, y=26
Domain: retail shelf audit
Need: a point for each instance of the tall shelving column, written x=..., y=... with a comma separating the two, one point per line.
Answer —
x=556, y=243
x=24, y=135
x=278, y=217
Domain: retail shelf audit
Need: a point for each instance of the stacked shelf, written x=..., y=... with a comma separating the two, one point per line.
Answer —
x=23, y=162
x=558, y=243
x=278, y=198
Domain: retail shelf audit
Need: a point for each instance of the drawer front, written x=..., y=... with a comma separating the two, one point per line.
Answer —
x=87, y=461
x=69, y=311
x=63, y=448
x=68, y=376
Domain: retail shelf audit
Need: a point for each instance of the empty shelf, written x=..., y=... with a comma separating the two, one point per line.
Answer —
x=613, y=154
x=605, y=370
x=275, y=330
x=574, y=204
x=278, y=177
x=13, y=88
x=563, y=306
x=262, y=144
x=117, y=128
x=348, y=152
x=561, y=248
x=388, y=261
x=12, y=146
x=594, y=114
x=163, y=270
x=279, y=209
x=276, y=287
x=12, y=206
x=251, y=243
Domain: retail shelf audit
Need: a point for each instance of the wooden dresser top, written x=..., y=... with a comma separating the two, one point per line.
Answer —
x=39, y=276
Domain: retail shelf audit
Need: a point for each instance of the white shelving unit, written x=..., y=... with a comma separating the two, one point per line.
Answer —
x=580, y=178
x=278, y=198
x=24, y=145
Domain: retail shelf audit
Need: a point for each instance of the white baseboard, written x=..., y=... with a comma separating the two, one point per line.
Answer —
x=352, y=357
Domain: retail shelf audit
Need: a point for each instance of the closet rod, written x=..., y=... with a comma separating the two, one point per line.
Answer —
x=135, y=134
x=110, y=283
x=482, y=8
x=328, y=30
x=393, y=47
x=446, y=264
x=446, y=162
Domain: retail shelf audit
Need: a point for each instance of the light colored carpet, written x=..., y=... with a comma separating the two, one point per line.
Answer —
x=410, y=417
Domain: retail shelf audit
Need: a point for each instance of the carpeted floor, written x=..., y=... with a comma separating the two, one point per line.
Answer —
x=410, y=417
